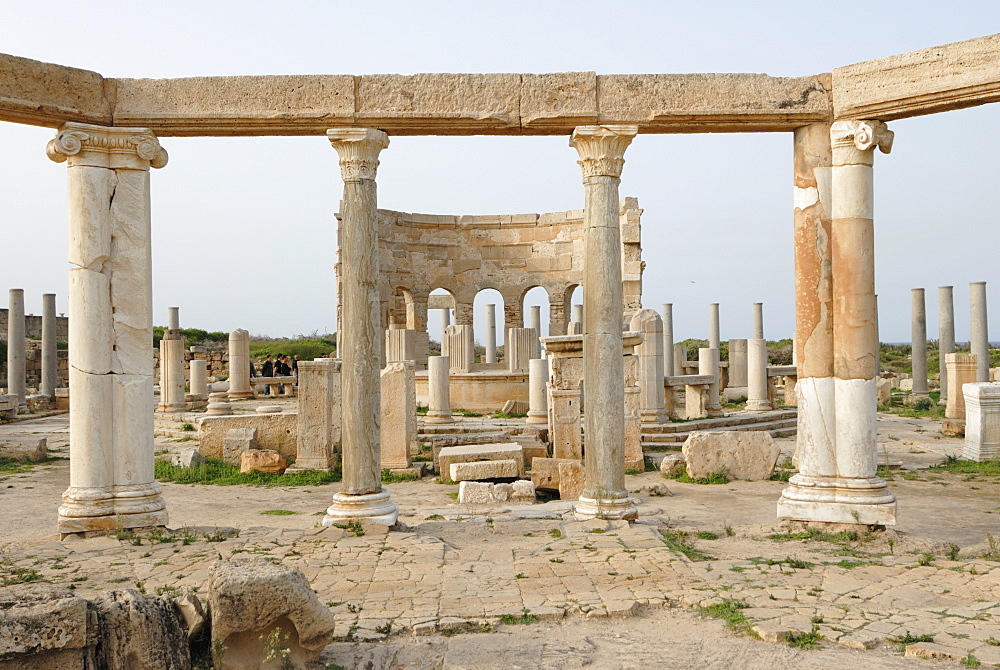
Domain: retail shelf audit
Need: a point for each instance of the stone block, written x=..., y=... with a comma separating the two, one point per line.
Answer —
x=475, y=493
x=533, y=451
x=46, y=94
x=905, y=384
x=33, y=449
x=523, y=491
x=42, y=626
x=545, y=472
x=483, y=470
x=748, y=455
x=274, y=431
x=139, y=632
x=515, y=407
x=884, y=391
x=398, y=406
x=478, y=452
x=502, y=492
x=262, y=460
x=187, y=458
x=672, y=464
x=572, y=478
x=238, y=441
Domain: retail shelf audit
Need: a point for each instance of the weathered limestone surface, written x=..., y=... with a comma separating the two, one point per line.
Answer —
x=44, y=625
x=982, y=421
x=507, y=468
x=27, y=448
x=946, y=336
x=545, y=472
x=50, y=357
x=262, y=460
x=15, y=349
x=399, y=398
x=140, y=632
x=961, y=370
x=572, y=478
x=43, y=94
x=274, y=431
x=239, y=364
x=741, y=454
x=319, y=415
x=237, y=441
x=478, y=452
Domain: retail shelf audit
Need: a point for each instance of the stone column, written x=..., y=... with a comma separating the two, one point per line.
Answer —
x=838, y=361
x=111, y=481
x=445, y=318
x=319, y=417
x=757, y=387
x=491, y=333
x=601, y=150
x=536, y=323
x=758, y=307
x=518, y=348
x=400, y=344
x=979, y=338
x=50, y=357
x=961, y=370
x=650, y=359
x=398, y=406
x=668, y=340
x=708, y=364
x=199, y=379
x=361, y=496
x=738, y=383
x=172, y=369
x=173, y=318
x=578, y=314
x=946, y=336
x=461, y=351
x=15, y=348
x=680, y=358
x=918, y=343
x=239, y=365
x=538, y=378
x=439, y=405
x=713, y=326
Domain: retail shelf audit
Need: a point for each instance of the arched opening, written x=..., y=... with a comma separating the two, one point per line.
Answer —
x=536, y=297
x=481, y=332
x=440, y=312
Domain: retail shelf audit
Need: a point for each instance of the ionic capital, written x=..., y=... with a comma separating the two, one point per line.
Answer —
x=358, y=149
x=861, y=135
x=602, y=148
x=107, y=147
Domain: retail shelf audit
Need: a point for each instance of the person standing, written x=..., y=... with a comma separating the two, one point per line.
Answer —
x=267, y=370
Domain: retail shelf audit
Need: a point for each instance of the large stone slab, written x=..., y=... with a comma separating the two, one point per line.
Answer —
x=140, y=632
x=741, y=454
x=27, y=448
x=572, y=478
x=478, y=452
x=545, y=472
x=274, y=431
x=42, y=626
x=44, y=94
x=483, y=470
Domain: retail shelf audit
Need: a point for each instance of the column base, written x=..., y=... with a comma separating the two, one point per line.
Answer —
x=88, y=510
x=240, y=395
x=838, y=500
x=439, y=416
x=605, y=508
x=758, y=406
x=368, y=508
x=537, y=417
x=653, y=417
x=323, y=464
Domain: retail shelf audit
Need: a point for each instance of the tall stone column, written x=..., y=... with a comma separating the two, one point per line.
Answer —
x=650, y=357
x=491, y=333
x=708, y=364
x=946, y=336
x=111, y=481
x=439, y=389
x=360, y=338
x=713, y=326
x=668, y=341
x=172, y=366
x=979, y=337
x=757, y=397
x=758, y=307
x=602, y=150
x=536, y=323
x=15, y=348
x=837, y=481
x=918, y=342
x=239, y=365
x=50, y=357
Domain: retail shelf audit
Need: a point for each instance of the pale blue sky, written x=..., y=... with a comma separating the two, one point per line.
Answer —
x=244, y=228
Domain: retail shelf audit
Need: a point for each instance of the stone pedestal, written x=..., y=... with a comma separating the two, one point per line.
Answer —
x=565, y=433
x=652, y=408
x=461, y=350
x=199, y=379
x=491, y=333
x=708, y=364
x=218, y=404
x=538, y=378
x=360, y=338
x=668, y=340
x=982, y=421
x=757, y=386
x=961, y=370
x=399, y=404
x=439, y=407
x=319, y=415
x=50, y=357
x=978, y=325
x=918, y=343
x=111, y=485
x=400, y=345
x=239, y=365
x=15, y=349
x=518, y=348
x=946, y=336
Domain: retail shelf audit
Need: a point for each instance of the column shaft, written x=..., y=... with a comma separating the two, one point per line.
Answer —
x=50, y=356
x=713, y=326
x=918, y=341
x=239, y=364
x=758, y=307
x=439, y=407
x=491, y=333
x=15, y=348
x=538, y=378
x=668, y=340
x=946, y=336
x=979, y=338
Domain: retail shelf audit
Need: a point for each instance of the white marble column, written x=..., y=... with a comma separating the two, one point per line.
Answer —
x=668, y=340
x=50, y=356
x=713, y=326
x=461, y=351
x=538, y=378
x=650, y=358
x=758, y=308
x=439, y=389
x=757, y=400
x=708, y=364
x=173, y=318
x=172, y=367
x=445, y=322
x=601, y=150
x=111, y=481
x=239, y=365
x=946, y=336
x=738, y=383
x=361, y=496
x=979, y=336
x=491, y=333
x=199, y=378
x=15, y=348
x=518, y=348
x=918, y=342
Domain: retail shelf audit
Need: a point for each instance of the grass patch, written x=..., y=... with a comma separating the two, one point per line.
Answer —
x=500, y=414
x=714, y=478
x=803, y=640
x=730, y=611
x=219, y=473
x=781, y=475
x=706, y=535
x=956, y=466
x=467, y=412
x=909, y=639
x=390, y=477
x=278, y=512
x=9, y=466
x=21, y=576
x=525, y=617
x=680, y=541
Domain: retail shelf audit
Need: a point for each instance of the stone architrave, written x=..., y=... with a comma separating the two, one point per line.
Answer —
x=361, y=497
x=538, y=379
x=982, y=421
x=461, y=350
x=668, y=341
x=199, y=379
x=602, y=150
x=978, y=328
x=239, y=365
x=961, y=370
x=319, y=415
x=946, y=336
x=491, y=333
x=15, y=349
x=400, y=345
x=439, y=405
x=650, y=357
x=518, y=348
x=50, y=357
x=399, y=403
x=837, y=480
x=918, y=343
x=708, y=364
x=110, y=327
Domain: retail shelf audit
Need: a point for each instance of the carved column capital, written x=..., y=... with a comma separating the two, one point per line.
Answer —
x=107, y=147
x=358, y=149
x=602, y=148
x=861, y=135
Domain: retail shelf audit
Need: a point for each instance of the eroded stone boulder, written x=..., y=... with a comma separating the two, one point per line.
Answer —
x=256, y=606
x=741, y=454
x=187, y=458
x=140, y=632
x=42, y=626
x=262, y=460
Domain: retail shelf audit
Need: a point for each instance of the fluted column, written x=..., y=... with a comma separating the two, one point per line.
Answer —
x=50, y=356
x=918, y=342
x=946, y=336
x=518, y=348
x=979, y=338
x=361, y=496
x=111, y=328
x=668, y=341
x=602, y=150
x=15, y=348
x=491, y=333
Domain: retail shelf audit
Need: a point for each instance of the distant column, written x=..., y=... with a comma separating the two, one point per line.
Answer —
x=737, y=369
x=708, y=364
x=758, y=320
x=536, y=323
x=439, y=405
x=173, y=318
x=461, y=351
x=980, y=340
x=946, y=336
x=680, y=358
x=650, y=359
x=15, y=348
x=199, y=378
x=668, y=341
x=713, y=326
x=538, y=377
x=491, y=333
x=239, y=365
x=50, y=357
x=518, y=348
x=918, y=342
x=757, y=400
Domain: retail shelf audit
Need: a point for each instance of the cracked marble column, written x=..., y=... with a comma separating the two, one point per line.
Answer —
x=172, y=365
x=838, y=454
x=491, y=333
x=50, y=355
x=111, y=328
x=946, y=336
x=361, y=497
x=15, y=348
x=602, y=150
x=918, y=343
x=668, y=340
x=979, y=339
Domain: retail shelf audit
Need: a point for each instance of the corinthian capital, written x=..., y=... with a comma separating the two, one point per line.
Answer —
x=602, y=148
x=358, y=149
x=107, y=147
x=863, y=135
